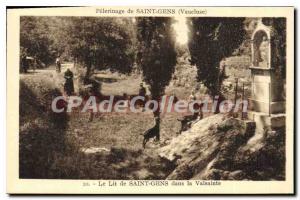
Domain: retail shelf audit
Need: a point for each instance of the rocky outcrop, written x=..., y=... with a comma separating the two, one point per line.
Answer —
x=207, y=150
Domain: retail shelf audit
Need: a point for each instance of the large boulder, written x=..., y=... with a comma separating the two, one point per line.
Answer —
x=206, y=150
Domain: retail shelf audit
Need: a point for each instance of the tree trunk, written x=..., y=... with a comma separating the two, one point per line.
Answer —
x=88, y=70
x=156, y=114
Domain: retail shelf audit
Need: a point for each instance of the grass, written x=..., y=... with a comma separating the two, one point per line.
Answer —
x=121, y=134
x=119, y=130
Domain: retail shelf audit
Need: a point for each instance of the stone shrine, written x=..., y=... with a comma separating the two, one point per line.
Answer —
x=267, y=102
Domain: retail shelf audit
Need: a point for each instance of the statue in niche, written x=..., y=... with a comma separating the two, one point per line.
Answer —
x=261, y=50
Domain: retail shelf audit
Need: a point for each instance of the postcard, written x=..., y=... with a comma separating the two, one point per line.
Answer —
x=150, y=100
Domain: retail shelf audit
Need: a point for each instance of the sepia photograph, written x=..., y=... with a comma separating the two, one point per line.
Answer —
x=152, y=99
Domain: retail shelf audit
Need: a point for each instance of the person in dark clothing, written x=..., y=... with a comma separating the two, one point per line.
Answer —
x=142, y=90
x=69, y=85
x=58, y=64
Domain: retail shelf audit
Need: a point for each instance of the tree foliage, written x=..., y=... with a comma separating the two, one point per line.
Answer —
x=156, y=52
x=35, y=40
x=211, y=40
x=102, y=43
x=278, y=50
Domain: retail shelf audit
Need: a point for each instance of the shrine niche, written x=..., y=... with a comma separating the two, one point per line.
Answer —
x=261, y=46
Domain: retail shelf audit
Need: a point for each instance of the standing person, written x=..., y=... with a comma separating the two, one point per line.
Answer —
x=58, y=64
x=69, y=86
x=142, y=90
x=142, y=93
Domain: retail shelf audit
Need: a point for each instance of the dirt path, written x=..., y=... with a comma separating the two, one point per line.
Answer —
x=49, y=72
